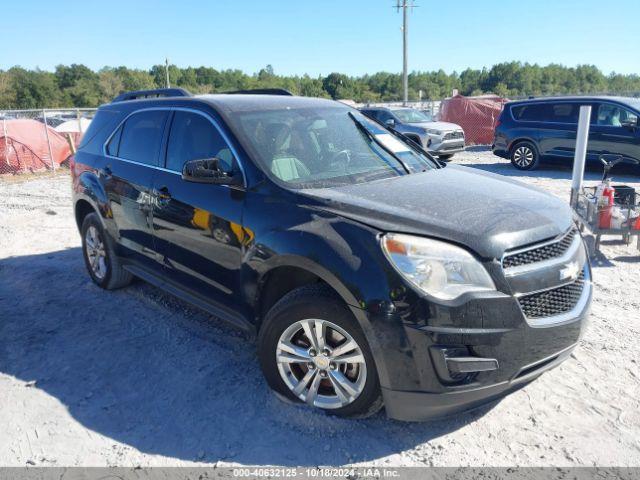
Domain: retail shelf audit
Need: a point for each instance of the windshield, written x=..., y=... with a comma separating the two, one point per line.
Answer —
x=325, y=146
x=633, y=102
x=409, y=115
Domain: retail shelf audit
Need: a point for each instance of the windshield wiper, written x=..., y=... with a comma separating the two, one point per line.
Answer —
x=415, y=145
x=373, y=138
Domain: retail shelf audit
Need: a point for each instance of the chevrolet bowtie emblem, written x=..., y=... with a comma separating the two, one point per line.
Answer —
x=570, y=271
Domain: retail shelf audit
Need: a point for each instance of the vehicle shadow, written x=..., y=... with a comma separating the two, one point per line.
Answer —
x=146, y=370
x=558, y=170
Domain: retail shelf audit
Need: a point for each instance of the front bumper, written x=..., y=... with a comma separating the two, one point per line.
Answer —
x=522, y=354
x=438, y=145
x=491, y=327
x=421, y=406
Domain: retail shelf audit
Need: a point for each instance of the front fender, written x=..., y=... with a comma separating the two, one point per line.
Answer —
x=308, y=265
x=346, y=256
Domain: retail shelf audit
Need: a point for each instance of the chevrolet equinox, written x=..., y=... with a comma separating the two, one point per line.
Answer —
x=369, y=273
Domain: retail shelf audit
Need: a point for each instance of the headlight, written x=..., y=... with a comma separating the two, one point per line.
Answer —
x=437, y=133
x=438, y=268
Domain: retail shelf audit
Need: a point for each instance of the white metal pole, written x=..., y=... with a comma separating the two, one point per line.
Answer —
x=46, y=131
x=580, y=156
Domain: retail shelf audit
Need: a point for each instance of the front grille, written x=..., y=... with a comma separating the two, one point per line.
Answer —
x=540, y=254
x=454, y=135
x=553, y=302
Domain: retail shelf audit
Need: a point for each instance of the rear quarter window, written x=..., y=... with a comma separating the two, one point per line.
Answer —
x=536, y=112
x=546, y=112
x=114, y=143
x=99, y=130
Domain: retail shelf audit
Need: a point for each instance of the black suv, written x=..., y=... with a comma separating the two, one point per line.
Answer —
x=370, y=273
x=529, y=131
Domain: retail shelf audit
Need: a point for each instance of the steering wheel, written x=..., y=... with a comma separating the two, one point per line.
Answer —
x=336, y=156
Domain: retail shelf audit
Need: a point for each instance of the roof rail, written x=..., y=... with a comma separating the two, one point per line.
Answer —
x=156, y=93
x=261, y=91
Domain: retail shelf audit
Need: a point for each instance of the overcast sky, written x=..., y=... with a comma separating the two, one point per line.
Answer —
x=320, y=36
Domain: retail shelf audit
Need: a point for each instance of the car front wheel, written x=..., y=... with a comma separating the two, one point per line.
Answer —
x=524, y=156
x=312, y=351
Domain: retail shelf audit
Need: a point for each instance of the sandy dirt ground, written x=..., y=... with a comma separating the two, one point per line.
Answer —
x=136, y=377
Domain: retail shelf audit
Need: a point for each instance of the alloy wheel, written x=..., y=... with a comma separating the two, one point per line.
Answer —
x=321, y=363
x=523, y=156
x=95, y=249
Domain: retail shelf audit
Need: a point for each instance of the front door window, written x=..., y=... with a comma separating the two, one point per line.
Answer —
x=610, y=115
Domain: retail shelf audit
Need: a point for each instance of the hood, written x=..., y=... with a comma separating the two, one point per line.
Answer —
x=485, y=212
x=444, y=126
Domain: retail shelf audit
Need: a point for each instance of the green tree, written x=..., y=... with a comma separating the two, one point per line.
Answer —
x=135, y=79
x=77, y=85
x=7, y=92
x=34, y=88
x=337, y=85
x=111, y=85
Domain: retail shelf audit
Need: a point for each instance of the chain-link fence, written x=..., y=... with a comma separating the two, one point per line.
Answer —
x=37, y=140
x=476, y=115
x=430, y=107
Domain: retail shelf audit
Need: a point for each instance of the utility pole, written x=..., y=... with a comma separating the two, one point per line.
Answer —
x=166, y=71
x=405, y=5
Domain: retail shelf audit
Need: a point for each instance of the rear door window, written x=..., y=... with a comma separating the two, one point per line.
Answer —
x=563, y=112
x=383, y=116
x=369, y=113
x=141, y=137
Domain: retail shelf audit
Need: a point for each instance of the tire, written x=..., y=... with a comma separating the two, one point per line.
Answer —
x=283, y=323
x=98, y=250
x=524, y=156
x=445, y=158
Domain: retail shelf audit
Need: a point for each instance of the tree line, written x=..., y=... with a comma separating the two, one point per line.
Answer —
x=78, y=86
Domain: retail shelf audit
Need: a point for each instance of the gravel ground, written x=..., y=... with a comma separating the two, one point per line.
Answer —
x=136, y=377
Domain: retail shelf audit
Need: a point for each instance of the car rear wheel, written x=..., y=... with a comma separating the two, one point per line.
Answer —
x=524, y=156
x=100, y=258
x=312, y=351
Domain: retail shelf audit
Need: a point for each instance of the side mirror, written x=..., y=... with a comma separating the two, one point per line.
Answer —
x=207, y=171
x=390, y=122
